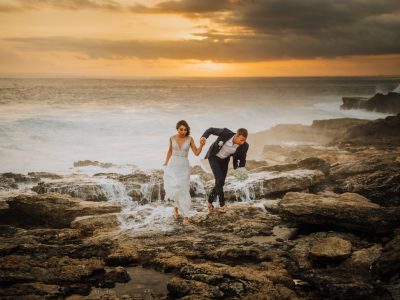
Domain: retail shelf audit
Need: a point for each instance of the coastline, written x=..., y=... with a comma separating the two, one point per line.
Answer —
x=311, y=221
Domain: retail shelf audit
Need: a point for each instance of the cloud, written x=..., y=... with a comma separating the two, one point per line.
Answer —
x=21, y=5
x=245, y=30
x=220, y=49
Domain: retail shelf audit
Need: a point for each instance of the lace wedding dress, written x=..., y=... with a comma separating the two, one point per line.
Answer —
x=177, y=177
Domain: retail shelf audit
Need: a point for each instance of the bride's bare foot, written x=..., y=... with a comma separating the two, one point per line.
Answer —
x=222, y=209
x=210, y=207
x=176, y=213
x=186, y=221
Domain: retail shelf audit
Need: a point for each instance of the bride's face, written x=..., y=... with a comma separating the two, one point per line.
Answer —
x=182, y=131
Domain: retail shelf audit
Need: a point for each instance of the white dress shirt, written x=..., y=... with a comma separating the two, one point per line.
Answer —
x=227, y=149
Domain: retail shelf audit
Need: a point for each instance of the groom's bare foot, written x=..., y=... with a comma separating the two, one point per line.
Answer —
x=186, y=221
x=176, y=214
x=210, y=207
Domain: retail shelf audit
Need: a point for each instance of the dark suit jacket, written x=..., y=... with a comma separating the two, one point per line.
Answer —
x=224, y=134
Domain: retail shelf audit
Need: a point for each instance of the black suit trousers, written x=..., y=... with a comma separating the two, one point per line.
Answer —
x=219, y=168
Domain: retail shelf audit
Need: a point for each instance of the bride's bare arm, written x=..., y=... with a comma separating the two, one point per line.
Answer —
x=195, y=150
x=169, y=153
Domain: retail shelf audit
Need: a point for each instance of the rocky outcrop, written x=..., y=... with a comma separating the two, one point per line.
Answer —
x=271, y=184
x=309, y=163
x=385, y=103
x=84, y=189
x=347, y=211
x=381, y=133
x=377, y=178
x=321, y=132
x=53, y=210
x=52, y=263
x=353, y=102
x=144, y=187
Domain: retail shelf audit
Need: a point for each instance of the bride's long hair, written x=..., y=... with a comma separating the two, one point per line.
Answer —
x=184, y=123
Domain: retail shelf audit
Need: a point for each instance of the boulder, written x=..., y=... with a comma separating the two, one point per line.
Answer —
x=55, y=210
x=339, y=284
x=96, y=222
x=84, y=189
x=388, y=263
x=381, y=133
x=331, y=249
x=377, y=178
x=347, y=211
x=270, y=184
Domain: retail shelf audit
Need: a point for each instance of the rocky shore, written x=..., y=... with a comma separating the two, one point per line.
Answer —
x=385, y=103
x=312, y=221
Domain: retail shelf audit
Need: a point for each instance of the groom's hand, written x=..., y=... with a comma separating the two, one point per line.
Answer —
x=202, y=141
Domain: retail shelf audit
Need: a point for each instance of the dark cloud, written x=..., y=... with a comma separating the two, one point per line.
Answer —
x=186, y=7
x=218, y=48
x=253, y=30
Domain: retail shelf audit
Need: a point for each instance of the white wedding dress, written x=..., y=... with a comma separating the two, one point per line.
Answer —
x=177, y=177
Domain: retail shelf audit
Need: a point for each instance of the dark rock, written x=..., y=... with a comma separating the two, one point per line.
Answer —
x=339, y=284
x=330, y=249
x=82, y=189
x=270, y=184
x=54, y=210
x=377, y=178
x=353, y=102
x=389, y=103
x=381, y=133
x=348, y=211
x=388, y=264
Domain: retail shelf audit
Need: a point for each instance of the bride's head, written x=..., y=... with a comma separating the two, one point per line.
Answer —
x=183, y=128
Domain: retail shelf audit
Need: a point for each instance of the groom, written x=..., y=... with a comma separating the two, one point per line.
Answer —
x=227, y=144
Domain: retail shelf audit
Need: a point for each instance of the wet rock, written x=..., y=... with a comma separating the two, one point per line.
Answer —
x=85, y=163
x=179, y=287
x=122, y=254
x=310, y=163
x=197, y=186
x=37, y=176
x=353, y=102
x=53, y=270
x=32, y=290
x=55, y=210
x=385, y=103
x=79, y=188
x=96, y=222
x=377, y=178
x=388, y=263
x=364, y=258
x=339, y=284
x=331, y=249
x=144, y=187
x=348, y=211
x=381, y=133
x=270, y=184
x=7, y=183
x=117, y=274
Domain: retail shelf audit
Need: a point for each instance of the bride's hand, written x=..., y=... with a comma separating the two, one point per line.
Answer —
x=203, y=141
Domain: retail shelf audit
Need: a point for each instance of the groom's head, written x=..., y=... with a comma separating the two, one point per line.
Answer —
x=240, y=136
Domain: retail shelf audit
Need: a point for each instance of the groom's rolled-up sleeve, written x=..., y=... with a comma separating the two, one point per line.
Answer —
x=213, y=131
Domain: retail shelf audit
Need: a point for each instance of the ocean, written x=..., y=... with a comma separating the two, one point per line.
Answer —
x=48, y=124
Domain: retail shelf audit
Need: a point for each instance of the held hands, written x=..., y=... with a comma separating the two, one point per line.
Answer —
x=202, y=141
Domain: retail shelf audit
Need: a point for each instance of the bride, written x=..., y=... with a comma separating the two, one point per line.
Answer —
x=177, y=169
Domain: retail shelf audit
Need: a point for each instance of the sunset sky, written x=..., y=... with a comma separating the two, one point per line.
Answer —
x=199, y=37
